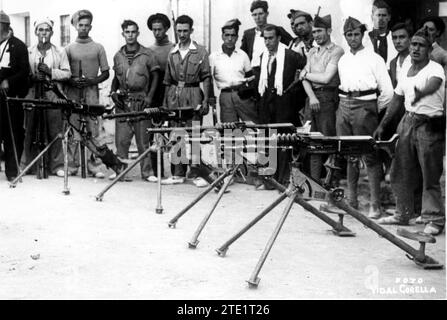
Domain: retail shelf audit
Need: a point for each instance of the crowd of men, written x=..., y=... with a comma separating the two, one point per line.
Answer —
x=391, y=80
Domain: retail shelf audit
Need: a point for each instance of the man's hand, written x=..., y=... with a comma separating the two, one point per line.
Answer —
x=4, y=86
x=86, y=82
x=302, y=75
x=147, y=103
x=314, y=105
x=43, y=68
x=378, y=133
x=417, y=96
x=204, y=109
x=116, y=100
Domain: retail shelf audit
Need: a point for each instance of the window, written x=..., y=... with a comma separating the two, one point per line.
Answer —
x=27, y=31
x=65, y=30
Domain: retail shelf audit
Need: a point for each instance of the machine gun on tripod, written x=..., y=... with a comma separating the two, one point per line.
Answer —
x=69, y=107
x=304, y=188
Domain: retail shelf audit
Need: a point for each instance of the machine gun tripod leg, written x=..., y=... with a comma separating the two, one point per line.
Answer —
x=192, y=244
x=13, y=183
x=172, y=223
x=418, y=256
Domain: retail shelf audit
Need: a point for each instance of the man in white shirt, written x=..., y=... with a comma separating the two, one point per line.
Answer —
x=231, y=70
x=418, y=161
x=365, y=87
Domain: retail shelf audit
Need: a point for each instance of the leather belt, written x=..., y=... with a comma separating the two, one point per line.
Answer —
x=324, y=89
x=230, y=89
x=356, y=94
x=183, y=84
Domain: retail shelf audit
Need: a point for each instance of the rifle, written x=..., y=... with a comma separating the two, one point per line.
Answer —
x=227, y=126
x=173, y=24
x=67, y=106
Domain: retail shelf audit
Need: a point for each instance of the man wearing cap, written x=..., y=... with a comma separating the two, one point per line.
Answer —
x=14, y=72
x=380, y=37
x=231, y=70
x=91, y=57
x=159, y=24
x=188, y=66
x=136, y=76
x=252, y=42
x=365, y=88
x=47, y=63
x=297, y=39
x=418, y=161
x=302, y=25
x=320, y=80
x=278, y=68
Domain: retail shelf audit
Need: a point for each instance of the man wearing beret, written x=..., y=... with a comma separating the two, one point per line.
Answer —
x=14, y=72
x=252, y=42
x=302, y=25
x=136, y=75
x=321, y=81
x=380, y=37
x=418, y=162
x=365, y=88
x=91, y=57
x=231, y=69
x=159, y=24
x=47, y=63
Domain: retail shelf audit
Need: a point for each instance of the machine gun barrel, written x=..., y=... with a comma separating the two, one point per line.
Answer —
x=226, y=125
x=66, y=105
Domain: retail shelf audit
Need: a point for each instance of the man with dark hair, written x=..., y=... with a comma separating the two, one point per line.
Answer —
x=297, y=39
x=136, y=75
x=418, y=161
x=92, y=58
x=159, y=24
x=365, y=87
x=278, y=68
x=14, y=72
x=231, y=69
x=401, y=35
x=252, y=42
x=380, y=36
x=320, y=80
x=188, y=66
x=302, y=25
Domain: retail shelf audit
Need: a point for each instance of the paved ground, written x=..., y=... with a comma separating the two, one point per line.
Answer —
x=72, y=247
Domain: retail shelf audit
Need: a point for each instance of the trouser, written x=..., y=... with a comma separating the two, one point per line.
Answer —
x=417, y=168
x=16, y=116
x=324, y=122
x=53, y=126
x=233, y=108
x=92, y=127
x=124, y=132
x=359, y=117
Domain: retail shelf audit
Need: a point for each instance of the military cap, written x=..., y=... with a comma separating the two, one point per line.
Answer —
x=352, y=24
x=423, y=33
x=323, y=22
x=81, y=14
x=297, y=13
x=233, y=23
x=4, y=18
x=47, y=21
x=259, y=4
x=158, y=17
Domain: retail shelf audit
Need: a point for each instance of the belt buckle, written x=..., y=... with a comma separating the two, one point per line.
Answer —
x=181, y=84
x=355, y=94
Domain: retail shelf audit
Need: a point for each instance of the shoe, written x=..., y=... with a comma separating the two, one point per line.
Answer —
x=99, y=175
x=200, y=182
x=152, y=179
x=374, y=212
x=419, y=220
x=173, y=180
x=393, y=220
x=433, y=229
x=60, y=173
x=112, y=176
